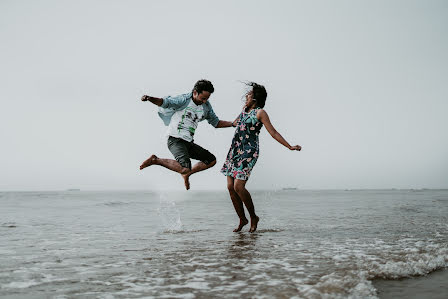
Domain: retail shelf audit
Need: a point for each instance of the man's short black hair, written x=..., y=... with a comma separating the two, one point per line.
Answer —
x=203, y=85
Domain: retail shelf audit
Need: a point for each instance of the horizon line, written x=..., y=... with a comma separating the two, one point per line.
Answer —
x=206, y=190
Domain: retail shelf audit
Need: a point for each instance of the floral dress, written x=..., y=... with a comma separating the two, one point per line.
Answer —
x=244, y=151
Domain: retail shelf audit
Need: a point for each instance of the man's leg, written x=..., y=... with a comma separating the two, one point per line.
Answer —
x=240, y=188
x=237, y=204
x=167, y=163
x=200, y=166
x=206, y=158
x=179, y=149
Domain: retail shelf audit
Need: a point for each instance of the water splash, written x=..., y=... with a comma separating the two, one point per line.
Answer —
x=169, y=214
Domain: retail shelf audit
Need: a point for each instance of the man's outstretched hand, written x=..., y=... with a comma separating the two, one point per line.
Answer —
x=155, y=101
x=296, y=148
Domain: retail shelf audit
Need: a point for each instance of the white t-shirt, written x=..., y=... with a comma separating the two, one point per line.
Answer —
x=184, y=122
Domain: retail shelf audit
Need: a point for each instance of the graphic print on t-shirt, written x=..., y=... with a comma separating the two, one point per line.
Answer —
x=189, y=120
x=184, y=123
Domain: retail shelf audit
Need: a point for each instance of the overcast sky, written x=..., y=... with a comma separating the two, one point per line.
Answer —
x=361, y=85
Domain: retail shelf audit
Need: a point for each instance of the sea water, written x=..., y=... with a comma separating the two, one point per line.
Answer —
x=309, y=244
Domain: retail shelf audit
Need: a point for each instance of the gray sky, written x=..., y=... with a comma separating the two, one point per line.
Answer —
x=361, y=85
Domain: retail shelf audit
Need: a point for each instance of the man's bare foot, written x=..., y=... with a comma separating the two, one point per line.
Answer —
x=243, y=222
x=253, y=224
x=186, y=181
x=150, y=161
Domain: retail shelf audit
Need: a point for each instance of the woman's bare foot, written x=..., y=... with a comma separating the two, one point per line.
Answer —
x=253, y=224
x=243, y=222
x=150, y=161
x=186, y=180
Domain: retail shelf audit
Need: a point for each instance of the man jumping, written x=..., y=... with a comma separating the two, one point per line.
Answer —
x=182, y=114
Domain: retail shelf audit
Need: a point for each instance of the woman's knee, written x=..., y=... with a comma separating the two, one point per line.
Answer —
x=239, y=187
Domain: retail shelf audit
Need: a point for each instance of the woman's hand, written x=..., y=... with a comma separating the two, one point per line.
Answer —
x=295, y=148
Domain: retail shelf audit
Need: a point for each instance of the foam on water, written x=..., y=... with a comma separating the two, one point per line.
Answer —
x=358, y=264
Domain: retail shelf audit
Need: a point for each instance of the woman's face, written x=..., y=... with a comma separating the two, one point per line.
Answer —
x=250, y=98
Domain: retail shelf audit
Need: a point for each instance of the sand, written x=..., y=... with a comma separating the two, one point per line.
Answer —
x=434, y=286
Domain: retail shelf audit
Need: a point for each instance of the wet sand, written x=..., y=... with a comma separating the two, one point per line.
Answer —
x=433, y=286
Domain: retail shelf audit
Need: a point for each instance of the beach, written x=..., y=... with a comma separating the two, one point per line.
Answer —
x=159, y=244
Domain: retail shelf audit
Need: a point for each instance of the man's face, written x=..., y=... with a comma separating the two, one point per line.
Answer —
x=200, y=98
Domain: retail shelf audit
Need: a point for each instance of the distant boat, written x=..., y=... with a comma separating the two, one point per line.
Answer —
x=73, y=189
x=289, y=188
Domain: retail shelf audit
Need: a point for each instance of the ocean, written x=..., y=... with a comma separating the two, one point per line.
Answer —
x=309, y=244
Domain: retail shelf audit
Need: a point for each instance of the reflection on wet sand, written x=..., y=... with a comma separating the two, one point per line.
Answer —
x=242, y=246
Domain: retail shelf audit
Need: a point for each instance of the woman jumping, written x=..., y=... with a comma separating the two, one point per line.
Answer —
x=244, y=150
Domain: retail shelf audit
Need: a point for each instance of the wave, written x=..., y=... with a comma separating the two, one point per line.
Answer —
x=115, y=203
x=269, y=230
x=183, y=231
x=414, y=262
x=359, y=267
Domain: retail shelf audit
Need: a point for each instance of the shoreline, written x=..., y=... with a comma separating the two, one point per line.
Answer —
x=434, y=286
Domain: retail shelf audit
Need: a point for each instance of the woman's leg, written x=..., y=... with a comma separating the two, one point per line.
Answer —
x=244, y=195
x=237, y=204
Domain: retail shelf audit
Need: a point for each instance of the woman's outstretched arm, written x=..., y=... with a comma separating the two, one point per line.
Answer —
x=264, y=118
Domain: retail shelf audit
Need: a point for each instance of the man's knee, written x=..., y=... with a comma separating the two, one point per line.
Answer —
x=185, y=162
x=210, y=160
x=185, y=170
x=230, y=187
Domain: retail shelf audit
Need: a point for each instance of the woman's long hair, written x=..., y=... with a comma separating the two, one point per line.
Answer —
x=260, y=93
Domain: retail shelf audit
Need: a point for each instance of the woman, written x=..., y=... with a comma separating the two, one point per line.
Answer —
x=244, y=151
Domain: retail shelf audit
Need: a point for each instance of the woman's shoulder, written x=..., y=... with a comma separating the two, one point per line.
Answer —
x=260, y=112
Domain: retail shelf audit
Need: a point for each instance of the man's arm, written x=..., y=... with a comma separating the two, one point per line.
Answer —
x=224, y=124
x=156, y=101
x=215, y=121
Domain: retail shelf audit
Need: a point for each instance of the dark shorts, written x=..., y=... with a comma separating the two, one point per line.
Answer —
x=183, y=151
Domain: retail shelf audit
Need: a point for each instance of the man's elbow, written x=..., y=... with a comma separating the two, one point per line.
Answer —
x=162, y=104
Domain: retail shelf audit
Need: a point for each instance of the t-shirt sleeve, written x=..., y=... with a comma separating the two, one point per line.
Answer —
x=175, y=102
x=211, y=117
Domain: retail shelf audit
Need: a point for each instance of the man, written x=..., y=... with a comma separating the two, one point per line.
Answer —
x=182, y=114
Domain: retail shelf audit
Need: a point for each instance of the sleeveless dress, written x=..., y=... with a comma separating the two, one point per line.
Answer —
x=244, y=150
